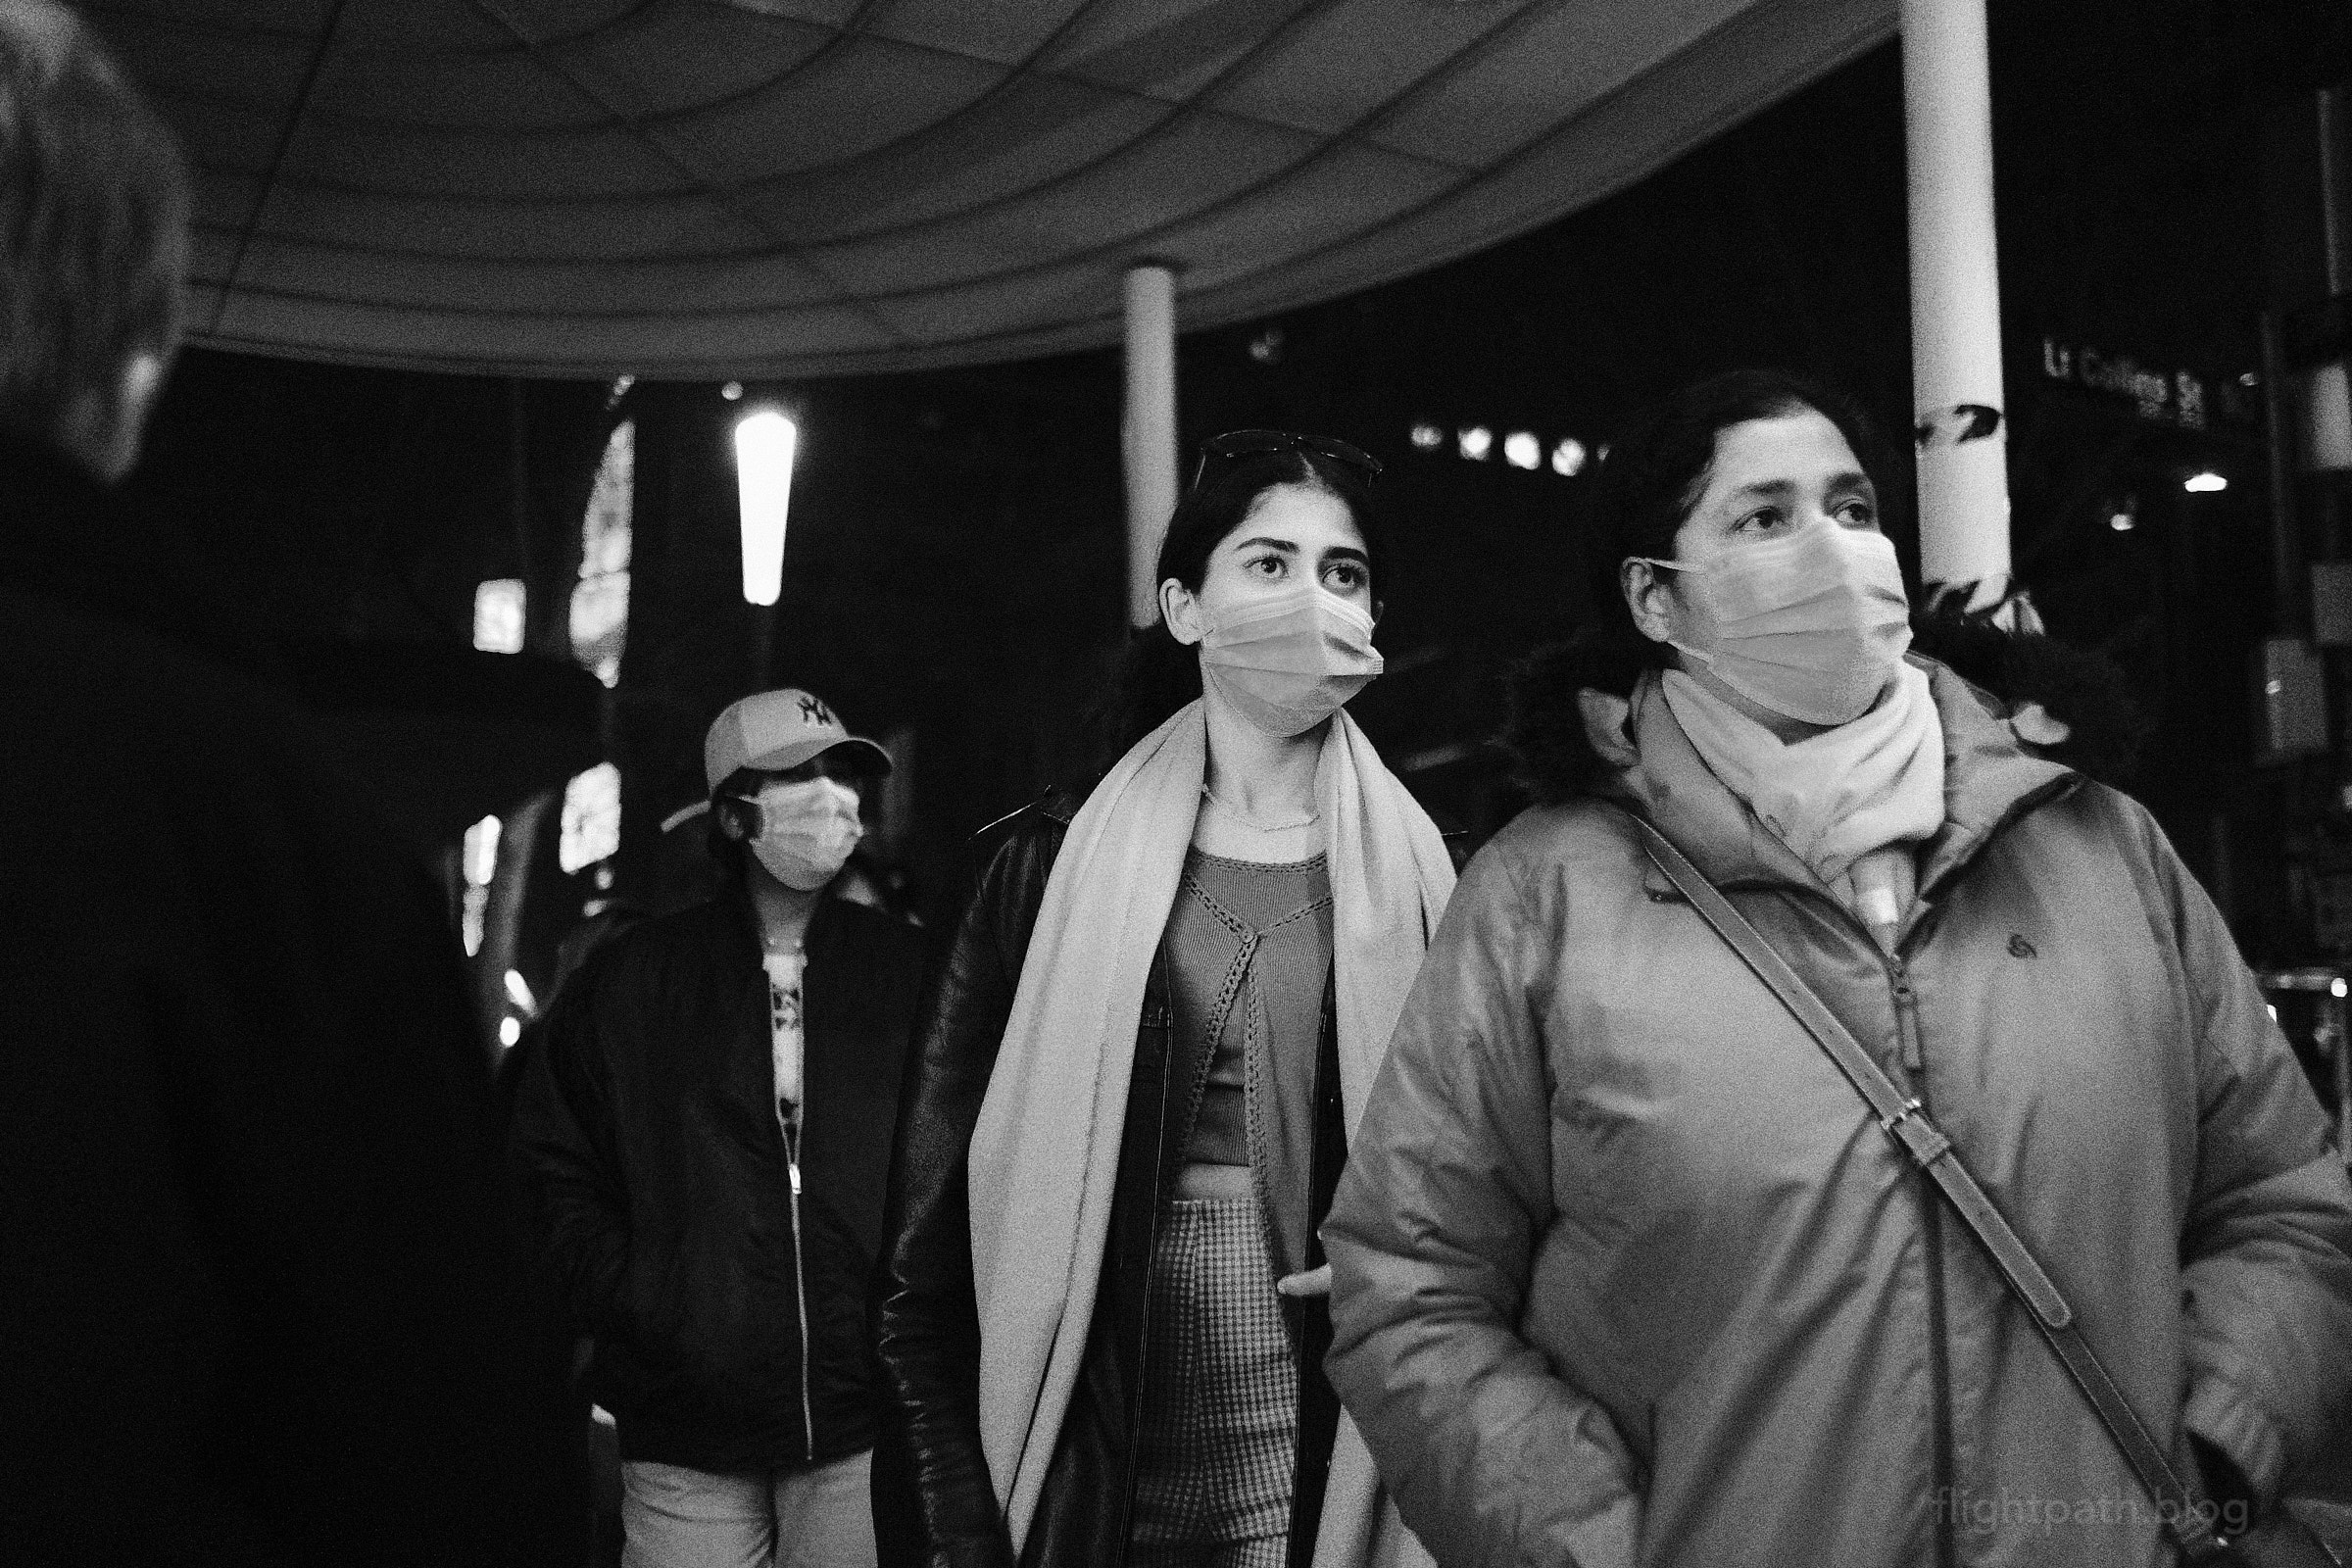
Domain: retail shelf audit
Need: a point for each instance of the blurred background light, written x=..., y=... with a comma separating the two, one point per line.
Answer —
x=498, y=616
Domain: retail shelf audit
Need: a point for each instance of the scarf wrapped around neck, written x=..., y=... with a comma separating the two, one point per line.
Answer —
x=1848, y=801
x=1044, y=1150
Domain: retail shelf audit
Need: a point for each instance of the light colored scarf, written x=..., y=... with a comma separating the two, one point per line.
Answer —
x=1044, y=1152
x=1837, y=798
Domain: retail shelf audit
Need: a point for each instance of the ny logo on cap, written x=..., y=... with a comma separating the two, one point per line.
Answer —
x=813, y=712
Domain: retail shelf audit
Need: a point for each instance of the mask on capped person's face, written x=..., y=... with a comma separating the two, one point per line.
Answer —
x=1288, y=663
x=807, y=831
x=1811, y=625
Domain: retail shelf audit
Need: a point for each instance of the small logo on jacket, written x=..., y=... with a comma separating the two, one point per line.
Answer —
x=2019, y=947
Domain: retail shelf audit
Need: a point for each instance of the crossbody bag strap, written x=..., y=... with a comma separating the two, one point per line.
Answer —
x=2178, y=1501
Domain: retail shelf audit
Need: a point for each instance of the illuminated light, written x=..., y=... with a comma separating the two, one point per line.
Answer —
x=519, y=990
x=479, y=859
x=2337, y=987
x=2122, y=523
x=509, y=1030
x=474, y=920
x=2204, y=483
x=498, y=616
x=591, y=829
x=1568, y=457
x=1476, y=441
x=604, y=878
x=600, y=603
x=1521, y=449
x=1428, y=437
x=481, y=852
x=619, y=389
x=2272, y=1009
x=1266, y=347
x=732, y=391
x=765, y=445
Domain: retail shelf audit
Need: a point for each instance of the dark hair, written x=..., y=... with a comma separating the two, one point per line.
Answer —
x=1653, y=474
x=1157, y=674
x=93, y=223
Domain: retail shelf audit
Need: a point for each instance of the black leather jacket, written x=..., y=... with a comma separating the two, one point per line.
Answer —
x=728, y=1310
x=933, y=1504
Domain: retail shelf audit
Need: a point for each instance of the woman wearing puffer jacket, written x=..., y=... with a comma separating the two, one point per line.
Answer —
x=1625, y=1270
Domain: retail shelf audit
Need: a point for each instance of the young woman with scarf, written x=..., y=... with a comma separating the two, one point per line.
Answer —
x=1101, y=1313
x=1625, y=1271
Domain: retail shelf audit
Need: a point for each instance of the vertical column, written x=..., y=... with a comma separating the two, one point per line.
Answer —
x=1148, y=433
x=1956, y=304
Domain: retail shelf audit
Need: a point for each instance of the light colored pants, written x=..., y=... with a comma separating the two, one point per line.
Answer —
x=673, y=1517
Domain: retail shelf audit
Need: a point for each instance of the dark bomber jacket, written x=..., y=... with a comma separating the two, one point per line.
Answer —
x=934, y=1503
x=648, y=1128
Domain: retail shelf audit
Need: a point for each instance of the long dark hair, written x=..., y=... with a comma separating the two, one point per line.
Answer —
x=1650, y=480
x=1157, y=674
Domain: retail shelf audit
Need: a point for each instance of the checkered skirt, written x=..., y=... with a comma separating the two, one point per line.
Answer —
x=1220, y=1430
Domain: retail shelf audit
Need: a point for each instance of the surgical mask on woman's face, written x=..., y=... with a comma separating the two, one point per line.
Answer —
x=1810, y=626
x=1288, y=663
x=807, y=831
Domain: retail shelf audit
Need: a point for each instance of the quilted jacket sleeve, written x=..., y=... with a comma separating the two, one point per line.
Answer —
x=1490, y=1457
x=934, y=1503
x=2267, y=1246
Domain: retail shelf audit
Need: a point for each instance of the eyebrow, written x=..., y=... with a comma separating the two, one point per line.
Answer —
x=1851, y=479
x=1335, y=553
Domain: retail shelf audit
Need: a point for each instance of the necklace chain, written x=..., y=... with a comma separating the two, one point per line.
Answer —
x=1252, y=822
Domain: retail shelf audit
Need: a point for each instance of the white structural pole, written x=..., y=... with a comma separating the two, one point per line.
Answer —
x=1959, y=422
x=1148, y=432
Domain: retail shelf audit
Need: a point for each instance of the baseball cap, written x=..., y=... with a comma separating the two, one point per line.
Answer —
x=779, y=729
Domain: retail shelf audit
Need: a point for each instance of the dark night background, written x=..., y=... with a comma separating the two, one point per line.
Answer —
x=953, y=570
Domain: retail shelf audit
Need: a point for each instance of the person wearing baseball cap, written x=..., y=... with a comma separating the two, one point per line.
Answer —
x=708, y=1131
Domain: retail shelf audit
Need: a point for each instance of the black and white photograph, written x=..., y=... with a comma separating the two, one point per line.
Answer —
x=1175, y=784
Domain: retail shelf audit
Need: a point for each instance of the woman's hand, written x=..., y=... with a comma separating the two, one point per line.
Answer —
x=1315, y=1282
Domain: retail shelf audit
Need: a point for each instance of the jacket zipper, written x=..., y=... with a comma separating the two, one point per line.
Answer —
x=1940, y=1372
x=800, y=1279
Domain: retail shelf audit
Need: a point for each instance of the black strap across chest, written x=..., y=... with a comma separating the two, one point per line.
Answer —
x=2178, y=1501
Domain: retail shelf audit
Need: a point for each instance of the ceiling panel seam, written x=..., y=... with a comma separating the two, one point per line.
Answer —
x=277, y=158
x=716, y=190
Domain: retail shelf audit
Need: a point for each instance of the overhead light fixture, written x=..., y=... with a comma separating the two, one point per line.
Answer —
x=1568, y=457
x=2204, y=482
x=1521, y=449
x=1476, y=442
x=732, y=391
x=765, y=443
x=1428, y=437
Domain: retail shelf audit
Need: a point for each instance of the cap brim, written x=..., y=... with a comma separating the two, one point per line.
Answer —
x=870, y=758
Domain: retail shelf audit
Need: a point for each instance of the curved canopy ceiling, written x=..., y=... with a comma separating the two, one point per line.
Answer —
x=710, y=188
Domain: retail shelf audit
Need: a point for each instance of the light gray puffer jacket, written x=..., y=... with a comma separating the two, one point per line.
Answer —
x=1624, y=1273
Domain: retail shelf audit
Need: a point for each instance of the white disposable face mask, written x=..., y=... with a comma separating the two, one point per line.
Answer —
x=807, y=831
x=1288, y=663
x=1810, y=626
